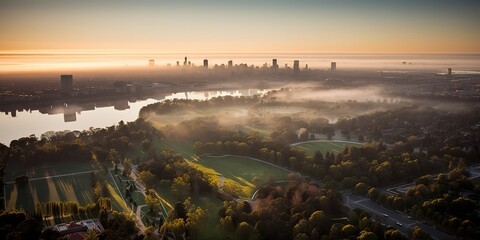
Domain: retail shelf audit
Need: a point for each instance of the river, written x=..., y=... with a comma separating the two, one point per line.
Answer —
x=96, y=114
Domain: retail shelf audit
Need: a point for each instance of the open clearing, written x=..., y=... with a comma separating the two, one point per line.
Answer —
x=15, y=169
x=60, y=183
x=239, y=170
x=76, y=188
x=324, y=146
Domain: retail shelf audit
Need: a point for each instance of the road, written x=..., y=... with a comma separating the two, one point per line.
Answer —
x=396, y=219
x=474, y=171
x=406, y=222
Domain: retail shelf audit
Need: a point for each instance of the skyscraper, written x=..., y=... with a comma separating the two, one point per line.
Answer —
x=185, y=62
x=296, y=66
x=205, y=63
x=333, y=66
x=66, y=83
x=151, y=63
x=230, y=63
x=274, y=63
x=449, y=72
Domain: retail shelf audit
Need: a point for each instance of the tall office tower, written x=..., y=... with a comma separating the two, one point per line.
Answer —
x=449, y=72
x=333, y=66
x=230, y=63
x=185, y=62
x=296, y=66
x=66, y=83
x=274, y=63
x=205, y=63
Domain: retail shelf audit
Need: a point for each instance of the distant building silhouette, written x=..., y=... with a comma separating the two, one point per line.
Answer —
x=178, y=63
x=449, y=72
x=205, y=63
x=296, y=66
x=274, y=63
x=66, y=83
x=333, y=66
x=185, y=62
x=230, y=63
x=151, y=63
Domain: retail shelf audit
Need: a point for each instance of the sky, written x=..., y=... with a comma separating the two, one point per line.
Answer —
x=243, y=26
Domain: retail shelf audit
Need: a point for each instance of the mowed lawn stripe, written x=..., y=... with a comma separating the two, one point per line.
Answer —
x=240, y=170
x=75, y=188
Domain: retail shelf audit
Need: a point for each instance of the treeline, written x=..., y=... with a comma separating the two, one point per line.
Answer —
x=18, y=225
x=442, y=200
x=168, y=169
x=184, y=104
x=373, y=163
x=105, y=145
x=432, y=128
x=73, y=210
x=300, y=211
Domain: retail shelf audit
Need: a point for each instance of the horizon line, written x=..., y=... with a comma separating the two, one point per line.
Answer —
x=152, y=51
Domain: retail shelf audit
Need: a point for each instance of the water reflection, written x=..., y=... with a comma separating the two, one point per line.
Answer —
x=20, y=121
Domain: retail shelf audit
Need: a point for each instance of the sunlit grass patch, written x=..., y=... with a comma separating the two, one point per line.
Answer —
x=240, y=171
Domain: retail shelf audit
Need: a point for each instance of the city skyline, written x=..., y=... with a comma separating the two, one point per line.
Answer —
x=214, y=26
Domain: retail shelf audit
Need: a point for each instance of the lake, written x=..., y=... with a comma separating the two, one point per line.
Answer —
x=96, y=114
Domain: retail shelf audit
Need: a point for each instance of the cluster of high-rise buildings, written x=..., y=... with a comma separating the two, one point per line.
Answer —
x=274, y=65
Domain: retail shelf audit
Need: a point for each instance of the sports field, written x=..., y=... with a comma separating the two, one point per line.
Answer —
x=77, y=188
x=62, y=181
x=324, y=146
x=239, y=170
x=15, y=169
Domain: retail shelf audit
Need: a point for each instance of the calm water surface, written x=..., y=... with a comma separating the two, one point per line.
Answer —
x=26, y=123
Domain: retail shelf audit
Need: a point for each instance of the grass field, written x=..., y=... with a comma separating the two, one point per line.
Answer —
x=15, y=169
x=66, y=185
x=324, y=146
x=239, y=170
x=77, y=188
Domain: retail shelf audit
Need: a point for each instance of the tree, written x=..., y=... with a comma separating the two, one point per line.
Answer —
x=180, y=188
x=419, y=234
x=147, y=178
x=360, y=189
x=373, y=194
x=301, y=227
x=21, y=181
x=232, y=188
x=301, y=236
x=245, y=231
x=318, y=220
x=196, y=221
x=153, y=203
x=91, y=235
x=176, y=227
x=394, y=235
x=365, y=235
x=349, y=231
x=149, y=233
x=226, y=225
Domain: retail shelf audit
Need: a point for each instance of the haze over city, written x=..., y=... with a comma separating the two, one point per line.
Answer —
x=222, y=119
